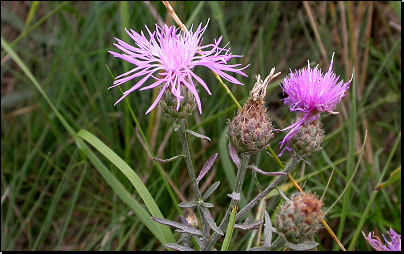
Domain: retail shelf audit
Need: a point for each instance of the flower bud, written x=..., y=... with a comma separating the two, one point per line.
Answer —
x=308, y=138
x=251, y=130
x=169, y=103
x=299, y=218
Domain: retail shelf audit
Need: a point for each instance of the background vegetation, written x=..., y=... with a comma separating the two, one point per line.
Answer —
x=52, y=196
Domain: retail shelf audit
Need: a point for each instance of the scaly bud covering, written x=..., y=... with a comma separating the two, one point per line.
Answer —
x=172, y=109
x=299, y=218
x=251, y=129
x=308, y=137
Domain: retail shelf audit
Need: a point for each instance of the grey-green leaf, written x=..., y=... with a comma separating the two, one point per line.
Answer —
x=210, y=190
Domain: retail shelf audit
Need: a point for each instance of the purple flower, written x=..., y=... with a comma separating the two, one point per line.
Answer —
x=376, y=243
x=311, y=92
x=173, y=55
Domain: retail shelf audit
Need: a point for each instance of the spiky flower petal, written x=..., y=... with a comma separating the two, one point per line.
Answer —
x=173, y=55
x=311, y=92
x=376, y=243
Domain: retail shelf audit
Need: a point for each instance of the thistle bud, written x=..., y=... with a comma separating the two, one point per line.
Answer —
x=308, y=138
x=299, y=218
x=169, y=103
x=251, y=130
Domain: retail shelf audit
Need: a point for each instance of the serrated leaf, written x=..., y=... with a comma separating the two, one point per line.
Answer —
x=205, y=169
x=210, y=190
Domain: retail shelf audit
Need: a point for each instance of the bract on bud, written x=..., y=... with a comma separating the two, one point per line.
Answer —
x=251, y=130
x=299, y=218
x=171, y=107
x=307, y=138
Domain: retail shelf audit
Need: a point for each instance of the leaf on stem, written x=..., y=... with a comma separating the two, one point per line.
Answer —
x=205, y=169
x=178, y=247
x=184, y=228
x=268, y=229
x=193, y=133
x=210, y=190
x=168, y=160
x=206, y=214
x=233, y=155
x=256, y=169
x=302, y=246
x=188, y=204
x=246, y=226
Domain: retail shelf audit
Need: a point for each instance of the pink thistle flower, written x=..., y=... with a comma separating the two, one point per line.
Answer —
x=376, y=243
x=173, y=55
x=311, y=92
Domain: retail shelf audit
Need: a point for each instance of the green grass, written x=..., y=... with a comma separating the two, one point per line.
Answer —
x=59, y=192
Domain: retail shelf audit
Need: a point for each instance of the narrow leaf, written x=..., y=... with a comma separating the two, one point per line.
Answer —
x=246, y=226
x=187, y=229
x=127, y=171
x=234, y=157
x=205, y=169
x=178, y=247
x=256, y=169
x=262, y=248
x=210, y=190
x=268, y=229
x=187, y=204
x=230, y=229
x=205, y=204
x=206, y=214
x=193, y=133
x=168, y=160
x=302, y=246
x=395, y=176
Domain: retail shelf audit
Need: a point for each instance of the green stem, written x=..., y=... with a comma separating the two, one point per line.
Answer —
x=291, y=165
x=245, y=158
x=188, y=160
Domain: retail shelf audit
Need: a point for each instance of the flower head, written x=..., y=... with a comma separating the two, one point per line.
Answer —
x=298, y=219
x=311, y=92
x=376, y=243
x=173, y=55
x=251, y=130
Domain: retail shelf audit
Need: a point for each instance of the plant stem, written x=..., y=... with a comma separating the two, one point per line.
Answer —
x=188, y=160
x=291, y=165
x=245, y=158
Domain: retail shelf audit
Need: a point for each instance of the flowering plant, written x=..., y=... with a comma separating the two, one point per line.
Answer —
x=173, y=55
x=311, y=93
x=376, y=243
